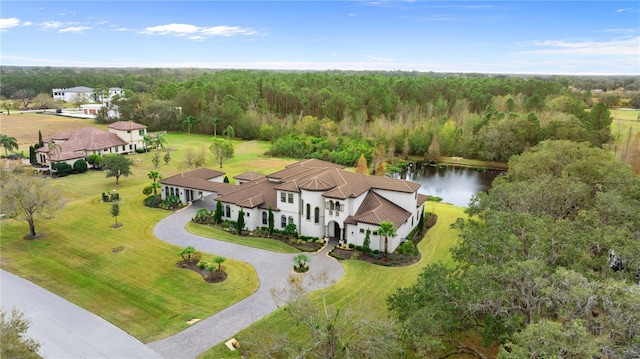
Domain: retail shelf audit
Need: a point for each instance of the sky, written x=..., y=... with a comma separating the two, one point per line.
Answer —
x=510, y=37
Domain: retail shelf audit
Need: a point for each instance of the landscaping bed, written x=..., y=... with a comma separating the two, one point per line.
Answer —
x=406, y=254
x=215, y=276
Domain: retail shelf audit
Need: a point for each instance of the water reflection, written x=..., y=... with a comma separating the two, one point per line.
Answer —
x=455, y=185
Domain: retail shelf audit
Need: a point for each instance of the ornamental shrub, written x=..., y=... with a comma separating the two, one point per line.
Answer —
x=80, y=166
x=62, y=168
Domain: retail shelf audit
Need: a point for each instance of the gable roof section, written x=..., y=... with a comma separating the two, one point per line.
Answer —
x=126, y=126
x=258, y=193
x=422, y=198
x=197, y=179
x=203, y=173
x=249, y=176
x=375, y=209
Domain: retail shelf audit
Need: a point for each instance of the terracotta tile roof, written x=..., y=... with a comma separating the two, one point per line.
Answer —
x=85, y=139
x=197, y=182
x=422, y=198
x=203, y=173
x=249, y=176
x=126, y=126
x=375, y=209
x=258, y=193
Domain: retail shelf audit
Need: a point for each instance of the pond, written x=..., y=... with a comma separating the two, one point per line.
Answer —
x=455, y=185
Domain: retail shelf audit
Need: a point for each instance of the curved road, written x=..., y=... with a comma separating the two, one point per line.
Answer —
x=273, y=271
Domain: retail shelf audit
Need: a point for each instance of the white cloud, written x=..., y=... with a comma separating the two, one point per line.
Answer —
x=625, y=9
x=51, y=24
x=9, y=23
x=77, y=29
x=624, y=46
x=620, y=31
x=195, y=32
x=171, y=29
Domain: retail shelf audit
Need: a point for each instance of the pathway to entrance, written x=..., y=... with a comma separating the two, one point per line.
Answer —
x=273, y=271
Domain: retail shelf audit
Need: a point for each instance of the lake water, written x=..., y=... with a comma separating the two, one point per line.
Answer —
x=454, y=185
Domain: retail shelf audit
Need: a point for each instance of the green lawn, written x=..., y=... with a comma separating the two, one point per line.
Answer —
x=262, y=243
x=364, y=280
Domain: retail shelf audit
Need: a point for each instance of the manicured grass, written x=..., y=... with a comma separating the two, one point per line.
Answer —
x=262, y=243
x=363, y=280
x=138, y=289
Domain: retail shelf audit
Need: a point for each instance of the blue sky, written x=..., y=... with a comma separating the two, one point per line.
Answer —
x=536, y=37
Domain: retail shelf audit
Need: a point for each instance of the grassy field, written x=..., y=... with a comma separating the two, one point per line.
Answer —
x=623, y=121
x=138, y=289
x=364, y=280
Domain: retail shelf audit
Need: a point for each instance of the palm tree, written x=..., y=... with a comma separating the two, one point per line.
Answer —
x=215, y=121
x=387, y=230
x=148, y=141
x=155, y=176
x=9, y=143
x=189, y=122
x=219, y=260
x=53, y=150
x=159, y=142
x=301, y=261
x=230, y=132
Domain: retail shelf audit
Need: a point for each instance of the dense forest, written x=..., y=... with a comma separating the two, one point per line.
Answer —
x=338, y=116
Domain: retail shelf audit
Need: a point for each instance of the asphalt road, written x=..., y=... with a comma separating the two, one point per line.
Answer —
x=65, y=330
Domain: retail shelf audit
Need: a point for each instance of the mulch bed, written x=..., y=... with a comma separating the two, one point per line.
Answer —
x=210, y=277
x=395, y=259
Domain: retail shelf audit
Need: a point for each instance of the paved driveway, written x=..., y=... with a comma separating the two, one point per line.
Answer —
x=273, y=271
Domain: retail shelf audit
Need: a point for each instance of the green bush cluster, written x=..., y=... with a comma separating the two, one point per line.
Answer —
x=344, y=151
x=110, y=197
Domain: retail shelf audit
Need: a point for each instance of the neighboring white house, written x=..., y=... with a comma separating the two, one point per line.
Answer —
x=320, y=198
x=123, y=137
x=84, y=94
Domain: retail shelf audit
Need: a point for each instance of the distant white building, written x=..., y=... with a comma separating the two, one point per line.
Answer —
x=85, y=94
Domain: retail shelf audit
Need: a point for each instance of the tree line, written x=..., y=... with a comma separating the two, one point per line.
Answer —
x=409, y=113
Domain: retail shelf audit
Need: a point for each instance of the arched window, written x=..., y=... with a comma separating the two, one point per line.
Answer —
x=283, y=221
x=308, y=211
x=290, y=220
x=316, y=215
x=265, y=220
x=227, y=211
x=337, y=206
x=331, y=205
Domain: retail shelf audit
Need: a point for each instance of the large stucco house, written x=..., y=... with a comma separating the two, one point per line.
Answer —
x=322, y=199
x=122, y=137
x=84, y=94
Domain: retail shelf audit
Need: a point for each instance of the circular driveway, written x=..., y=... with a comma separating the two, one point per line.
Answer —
x=273, y=271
